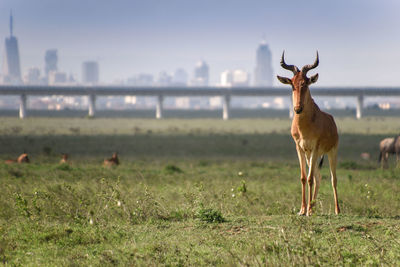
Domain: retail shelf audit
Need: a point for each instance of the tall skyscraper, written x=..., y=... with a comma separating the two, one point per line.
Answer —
x=201, y=74
x=90, y=72
x=51, y=60
x=263, y=71
x=11, y=66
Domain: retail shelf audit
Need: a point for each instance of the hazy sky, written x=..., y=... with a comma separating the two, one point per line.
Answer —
x=358, y=40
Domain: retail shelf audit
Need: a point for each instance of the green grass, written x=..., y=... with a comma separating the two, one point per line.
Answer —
x=191, y=192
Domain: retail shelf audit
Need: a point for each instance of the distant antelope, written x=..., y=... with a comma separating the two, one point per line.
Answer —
x=23, y=158
x=314, y=133
x=113, y=161
x=389, y=146
x=64, y=159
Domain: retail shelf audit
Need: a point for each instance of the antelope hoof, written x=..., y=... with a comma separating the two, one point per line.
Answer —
x=309, y=212
x=302, y=212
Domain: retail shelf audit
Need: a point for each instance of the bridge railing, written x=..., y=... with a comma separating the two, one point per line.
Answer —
x=24, y=91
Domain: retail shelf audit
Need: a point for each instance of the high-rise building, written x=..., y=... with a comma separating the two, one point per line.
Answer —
x=90, y=72
x=180, y=77
x=142, y=79
x=33, y=76
x=234, y=78
x=201, y=74
x=51, y=60
x=226, y=78
x=11, y=66
x=263, y=71
x=164, y=79
x=57, y=78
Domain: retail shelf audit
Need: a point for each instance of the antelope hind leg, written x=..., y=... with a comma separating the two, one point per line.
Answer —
x=317, y=181
x=332, y=156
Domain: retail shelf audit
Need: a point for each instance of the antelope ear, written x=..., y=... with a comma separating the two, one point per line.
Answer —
x=284, y=80
x=314, y=78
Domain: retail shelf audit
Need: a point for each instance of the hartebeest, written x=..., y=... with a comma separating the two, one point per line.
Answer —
x=64, y=158
x=23, y=158
x=113, y=161
x=314, y=133
x=388, y=146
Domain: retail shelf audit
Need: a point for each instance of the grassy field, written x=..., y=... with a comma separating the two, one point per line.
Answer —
x=191, y=192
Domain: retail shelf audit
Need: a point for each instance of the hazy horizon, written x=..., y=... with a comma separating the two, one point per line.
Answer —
x=358, y=41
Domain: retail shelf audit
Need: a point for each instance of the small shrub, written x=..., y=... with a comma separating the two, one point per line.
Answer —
x=204, y=163
x=210, y=215
x=15, y=173
x=172, y=169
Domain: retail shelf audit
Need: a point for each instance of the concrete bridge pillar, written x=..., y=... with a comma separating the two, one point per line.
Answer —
x=92, y=105
x=360, y=104
x=159, y=107
x=225, y=107
x=22, y=106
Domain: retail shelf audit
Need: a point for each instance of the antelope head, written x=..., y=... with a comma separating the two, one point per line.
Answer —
x=299, y=82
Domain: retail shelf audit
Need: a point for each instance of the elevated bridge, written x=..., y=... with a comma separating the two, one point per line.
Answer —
x=24, y=91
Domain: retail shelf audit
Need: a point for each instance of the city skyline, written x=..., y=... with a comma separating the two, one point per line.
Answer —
x=90, y=70
x=357, y=40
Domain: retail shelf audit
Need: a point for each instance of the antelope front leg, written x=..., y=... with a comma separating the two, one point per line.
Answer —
x=303, y=179
x=310, y=180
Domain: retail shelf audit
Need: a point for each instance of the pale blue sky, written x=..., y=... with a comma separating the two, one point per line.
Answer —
x=358, y=40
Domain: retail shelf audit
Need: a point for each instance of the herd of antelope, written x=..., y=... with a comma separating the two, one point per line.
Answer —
x=24, y=158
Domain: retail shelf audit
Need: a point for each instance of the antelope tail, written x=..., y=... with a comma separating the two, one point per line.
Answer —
x=321, y=162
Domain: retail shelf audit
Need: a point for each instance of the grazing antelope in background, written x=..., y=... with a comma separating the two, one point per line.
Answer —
x=64, y=158
x=388, y=146
x=314, y=133
x=113, y=161
x=23, y=158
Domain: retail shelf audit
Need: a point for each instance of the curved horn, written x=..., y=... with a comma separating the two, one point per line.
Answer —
x=292, y=68
x=306, y=68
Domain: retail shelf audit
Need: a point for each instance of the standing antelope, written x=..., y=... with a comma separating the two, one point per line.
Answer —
x=314, y=133
x=388, y=146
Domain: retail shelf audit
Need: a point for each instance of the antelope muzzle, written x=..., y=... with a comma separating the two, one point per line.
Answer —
x=298, y=109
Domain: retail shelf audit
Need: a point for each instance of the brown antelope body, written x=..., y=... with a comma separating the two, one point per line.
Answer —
x=23, y=158
x=113, y=161
x=314, y=133
x=64, y=159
